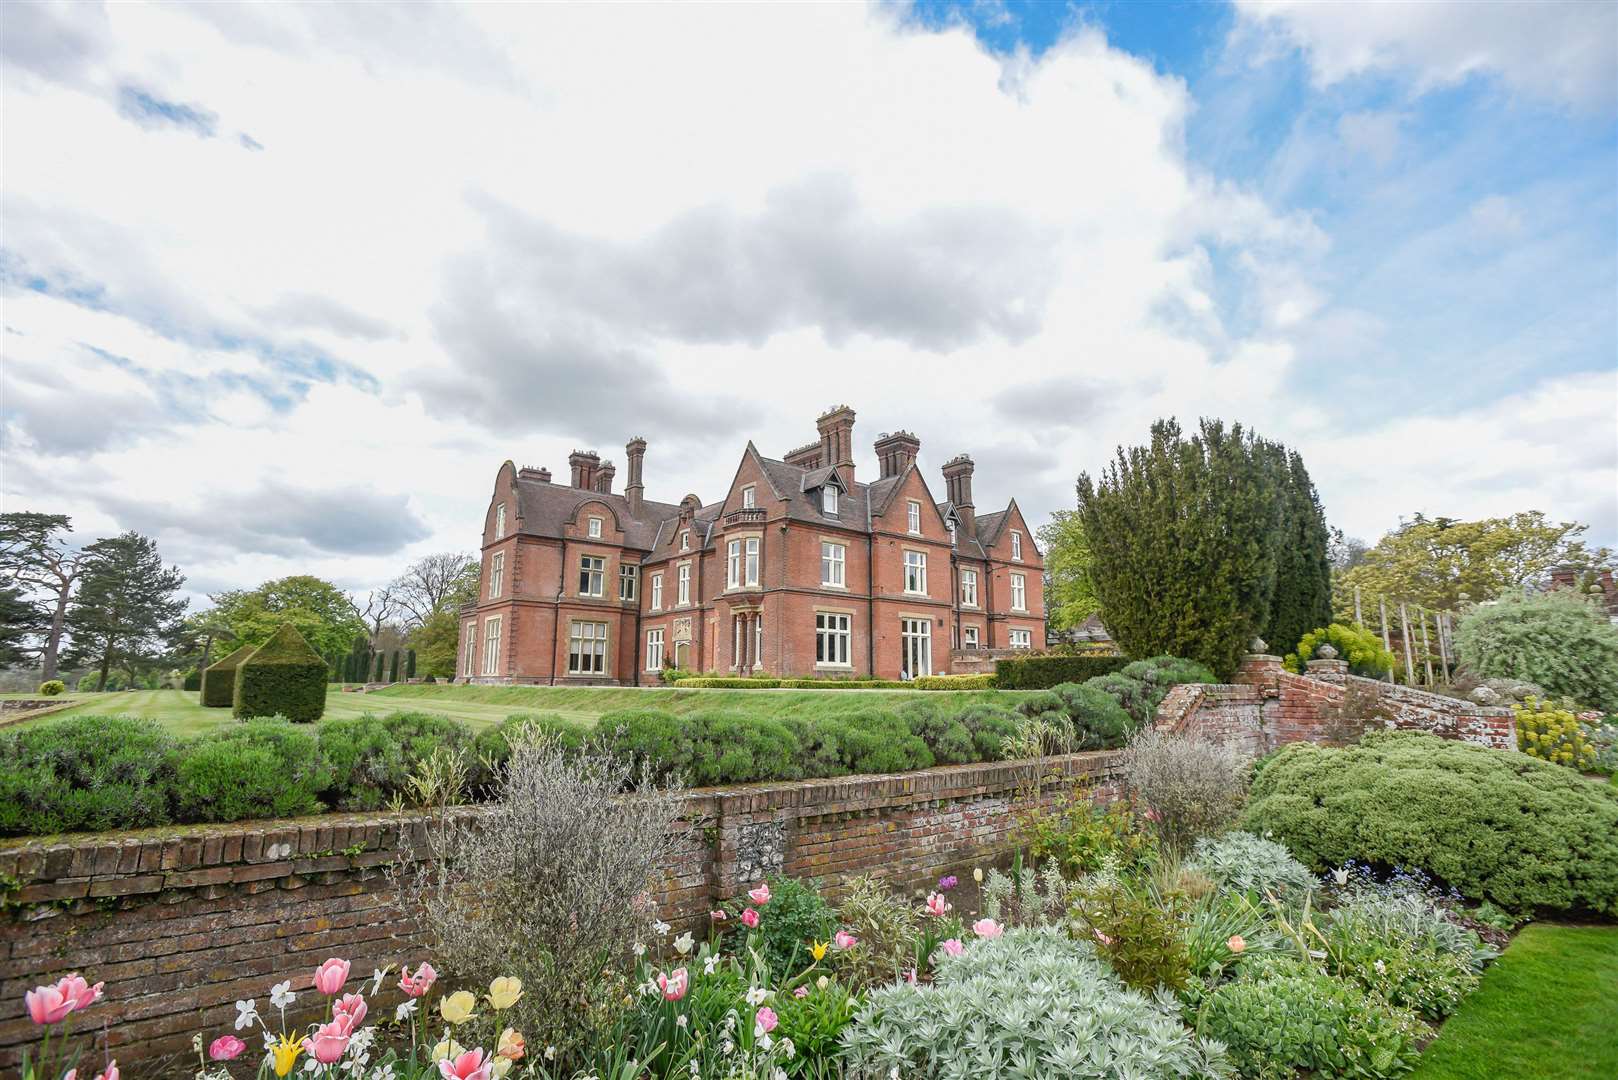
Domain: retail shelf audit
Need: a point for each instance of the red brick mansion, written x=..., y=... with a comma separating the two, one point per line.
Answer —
x=800, y=570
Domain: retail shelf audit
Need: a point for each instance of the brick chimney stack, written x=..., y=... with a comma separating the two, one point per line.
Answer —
x=634, y=489
x=836, y=428
x=897, y=452
x=604, y=477
x=958, y=488
x=584, y=464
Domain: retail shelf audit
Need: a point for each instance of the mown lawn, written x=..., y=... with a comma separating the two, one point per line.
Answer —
x=480, y=706
x=1547, y=1009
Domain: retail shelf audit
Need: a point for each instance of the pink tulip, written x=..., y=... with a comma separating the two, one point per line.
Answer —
x=717, y=915
x=764, y=1020
x=329, y=1043
x=350, y=1010
x=111, y=1073
x=82, y=994
x=1236, y=943
x=673, y=984
x=953, y=947
x=844, y=940
x=750, y=918
x=937, y=906
x=47, y=1005
x=469, y=1066
x=226, y=1048
x=418, y=984
x=330, y=976
x=71, y=1074
x=801, y=992
x=987, y=928
x=1103, y=938
x=910, y=976
x=760, y=895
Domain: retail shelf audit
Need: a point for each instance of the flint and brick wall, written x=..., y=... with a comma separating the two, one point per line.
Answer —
x=182, y=922
x=1269, y=706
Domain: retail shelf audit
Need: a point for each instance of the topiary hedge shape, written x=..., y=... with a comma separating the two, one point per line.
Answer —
x=283, y=677
x=219, y=680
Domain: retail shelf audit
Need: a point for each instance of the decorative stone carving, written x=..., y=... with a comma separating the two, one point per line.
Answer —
x=1485, y=696
x=1326, y=652
x=1258, y=646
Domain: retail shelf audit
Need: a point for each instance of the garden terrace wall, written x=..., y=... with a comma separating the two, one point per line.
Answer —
x=1268, y=707
x=181, y=922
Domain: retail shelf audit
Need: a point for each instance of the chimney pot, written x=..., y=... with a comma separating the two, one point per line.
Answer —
x=634, y=489
x=896, y=452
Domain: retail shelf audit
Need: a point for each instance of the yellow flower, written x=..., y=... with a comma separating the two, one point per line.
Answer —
x=499, y=1067
x=284, y=1053
x=457, y=1007
x=504, y=992
x=817, y=949
x=823, y=982
x=447, y=1049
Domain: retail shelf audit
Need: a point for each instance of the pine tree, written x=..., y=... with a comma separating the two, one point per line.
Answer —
x=125, y=609
x=410, y=664
x=1303, y=572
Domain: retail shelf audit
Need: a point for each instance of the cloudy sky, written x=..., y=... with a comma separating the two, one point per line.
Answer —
x=283, y=286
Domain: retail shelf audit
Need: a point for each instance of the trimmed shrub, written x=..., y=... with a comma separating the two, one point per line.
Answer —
x=219, y=679
x=86, y=773
x=192, y=681
x=1558, y=640
x=991, y=727
x=1494, y=824
x=1360, y=647
x=52, y=687
x=765, y=682
x=1099, y=722
x=261, y=769
x=371, y=758
x=1043, y=672
x=492, y=747
x=282, y=677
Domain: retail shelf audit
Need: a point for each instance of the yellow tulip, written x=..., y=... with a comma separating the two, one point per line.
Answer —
x=817, y=949
x=457, y=1007
x=284, y=1053
x=499, y=1067
x=504, y=992
x=447, y=1049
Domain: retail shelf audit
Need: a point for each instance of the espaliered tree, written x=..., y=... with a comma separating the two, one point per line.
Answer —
x=1187, y=537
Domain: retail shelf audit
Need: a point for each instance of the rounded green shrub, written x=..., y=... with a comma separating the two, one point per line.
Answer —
x=52, y=687
x=1558, y=640
x=990, y=727
x=1251, y=864
x=948, y=740
x=1360, y=647
x=651, y=738
x=282, y=677
x=260, y=769
x=492, y=746
x=371, y=758
x=1495, y=824
x=86, y=773
x=1099, y=721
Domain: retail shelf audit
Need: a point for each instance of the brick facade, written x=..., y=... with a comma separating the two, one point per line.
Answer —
x=181, y=923
x=800, y=570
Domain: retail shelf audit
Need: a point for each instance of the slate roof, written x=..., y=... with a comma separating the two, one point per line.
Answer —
x=545, y=508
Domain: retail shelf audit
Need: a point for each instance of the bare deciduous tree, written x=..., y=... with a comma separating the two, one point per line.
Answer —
x=432, y=582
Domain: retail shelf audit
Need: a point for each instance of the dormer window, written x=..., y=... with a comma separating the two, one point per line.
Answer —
x=828, y=501
x=685, y=540
x=913, y=518
x=595, y=528
x=747, y=497
x=1016, y=545
x=951, y=533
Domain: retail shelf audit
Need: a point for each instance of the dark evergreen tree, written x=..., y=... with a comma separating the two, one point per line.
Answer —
x=393, y=667
x=125, y=609
x=377, y=674
x=1303, y=570
x=410, y=664
x=1185, y=534
x=20, y=622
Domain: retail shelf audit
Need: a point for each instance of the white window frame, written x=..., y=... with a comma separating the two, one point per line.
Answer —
x=1016, y=545
x=628, y=582
x=834, y=639
x=470, y=667
x=969, y=637
x=592, y=575
x=916, y=643
x=833, y=565
x=751, y=561
x=682, y=578
x=491, y=645
x=913, y=518
x=733, y=564
x=500, y=521
x=1020, y=639
x=969, y=588
x=657, y=592
x=497, y=574
x=594, y=528
x=590, y=648
x=1019, y=592
x=748, y=496
x=950, y=525
x=654, y=650
x=685, y=540
x=915, y=573
x=828, y=500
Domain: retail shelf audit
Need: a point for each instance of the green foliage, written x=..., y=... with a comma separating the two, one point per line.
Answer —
x=492, y=747
x=125, y=610
x=1403, y=951
x=1069, y=597
x=1360, y=647
x=1082, y=835
x=283, y=677
x=1556, y=639
x=219, y=679
x=695, y=681
x=815, y=1025
x=52, y=687
x=85, y=773
x=1141, y=685
x=393, y=667
x=192, y=680
x=1494, y=824
x=260, y=769
x=1044, y=672
x=371, y=759
x=1140, y=935
x=1193, y=538
x=795, y=916
x=886, y=926
x=1555, y=735
x=1282, y=1016
x=320, y=611
x=1096, y=719
x=1250, y=864
x=1011, y=1007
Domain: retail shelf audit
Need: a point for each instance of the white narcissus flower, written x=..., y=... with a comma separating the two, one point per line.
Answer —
x=281, y=994
x=550, y=1053
x=640, y=949
x=661, y=928
x=246, y=1013
x=377, y=975
x=788, y=1048
x=406, y=1010
x=680, y=1021
x=757, y=996
x=764, y=1040
x=709, y=963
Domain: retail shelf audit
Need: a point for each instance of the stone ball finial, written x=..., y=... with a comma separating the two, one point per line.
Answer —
x=1258, y=646
x=1485, y=696
x=1326, y=652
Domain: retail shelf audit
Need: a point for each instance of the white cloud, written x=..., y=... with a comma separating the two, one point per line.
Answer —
x=1564, y=51
x=574, y=224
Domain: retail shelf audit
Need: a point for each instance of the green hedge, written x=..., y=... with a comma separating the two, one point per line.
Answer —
x=758, y=682
x=283, y=677
x=1495, y=824
x=219, y=680
x=1044, y=672
x=264, y=768
x=84, y=773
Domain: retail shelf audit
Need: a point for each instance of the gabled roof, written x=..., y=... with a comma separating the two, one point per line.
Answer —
x=545, y=509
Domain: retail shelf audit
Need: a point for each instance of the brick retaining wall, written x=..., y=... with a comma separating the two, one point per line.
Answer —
x=181, y=922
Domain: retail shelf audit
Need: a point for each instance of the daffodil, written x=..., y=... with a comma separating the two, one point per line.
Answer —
x=284, y=1053
x=457, y=1008
x=504, y=992
x=817, y=949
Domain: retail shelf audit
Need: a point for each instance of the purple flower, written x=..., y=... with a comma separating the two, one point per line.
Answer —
x=947, y=882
